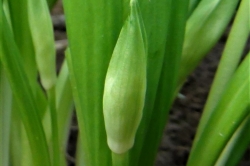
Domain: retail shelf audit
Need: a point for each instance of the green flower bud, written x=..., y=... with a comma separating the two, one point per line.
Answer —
x=125, y=84
x=43, y=41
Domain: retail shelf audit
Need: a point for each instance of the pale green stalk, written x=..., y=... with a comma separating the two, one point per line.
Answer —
x=53, y=115
x=79, y=153
x=16, y=146
x=120, y=159
x=64, y=106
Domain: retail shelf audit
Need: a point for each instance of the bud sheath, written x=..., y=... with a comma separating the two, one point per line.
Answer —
x=125, y=84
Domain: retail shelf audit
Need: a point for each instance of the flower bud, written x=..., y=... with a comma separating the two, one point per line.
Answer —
x=125, y=84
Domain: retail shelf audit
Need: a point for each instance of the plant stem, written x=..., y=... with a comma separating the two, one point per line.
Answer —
x=120, y=159
x=64, y=108
x=54, y=126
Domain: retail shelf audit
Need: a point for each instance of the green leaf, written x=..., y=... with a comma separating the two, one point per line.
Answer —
x=5, y=117
x=228, y=115
x=204, y=28
x=167, y=81
x=192, y=6
x=229, y=62
x=93, y=28
x=237, y=145
x=22, y=32
x=155, y=16
x=22, y=92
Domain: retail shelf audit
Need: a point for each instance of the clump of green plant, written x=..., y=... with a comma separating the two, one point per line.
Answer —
x=125, y=62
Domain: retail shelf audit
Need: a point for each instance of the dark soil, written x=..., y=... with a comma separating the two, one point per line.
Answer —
x=184, y=115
